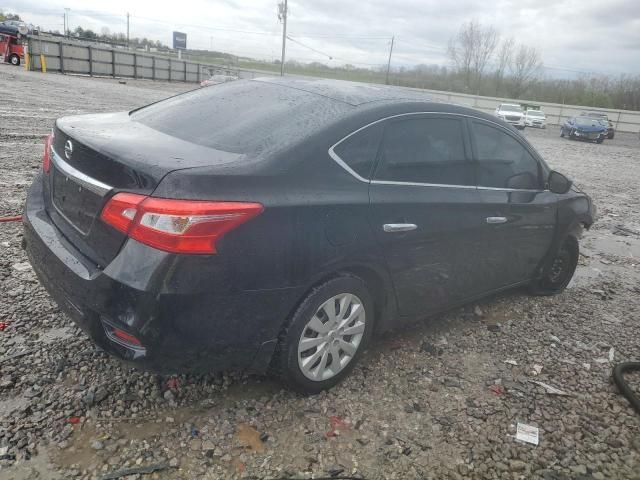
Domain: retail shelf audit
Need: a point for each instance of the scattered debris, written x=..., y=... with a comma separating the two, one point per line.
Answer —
x=17, y=355
x=173, y=384
x=22, y=266
x=527, y=433
x=551, y=390
x=125, y=472
x=73, y=420
x=511, y=362
x=493, y=327
x=498, y=390
x=625, y=230
x=3, y=326
x=611, y=354
x=537, y=369
x=248, y=437
x=336, y=424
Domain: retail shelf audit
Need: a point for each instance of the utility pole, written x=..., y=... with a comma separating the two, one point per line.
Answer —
x=282, y=14
x=389, y=62
x=66, y=22
x=127, y=29
x=211, y=45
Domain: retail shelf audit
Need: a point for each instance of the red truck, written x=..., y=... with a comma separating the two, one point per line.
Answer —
x=11, y=46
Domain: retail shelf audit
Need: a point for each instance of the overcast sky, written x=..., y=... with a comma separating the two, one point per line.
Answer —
x=601, y=36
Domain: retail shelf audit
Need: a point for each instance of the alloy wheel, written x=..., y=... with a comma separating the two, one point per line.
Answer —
x=331, y=338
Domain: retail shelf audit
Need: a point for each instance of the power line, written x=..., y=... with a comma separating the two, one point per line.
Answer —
x=310, y=48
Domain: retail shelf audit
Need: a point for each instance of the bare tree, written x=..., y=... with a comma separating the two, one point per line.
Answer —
x=471, y=49
x=524, y=66
x=505, y=52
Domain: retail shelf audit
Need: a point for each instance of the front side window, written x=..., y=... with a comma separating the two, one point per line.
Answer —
x=503, y=162
x=424, y=150
x=360, y=149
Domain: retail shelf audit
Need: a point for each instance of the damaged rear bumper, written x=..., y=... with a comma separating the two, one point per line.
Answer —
x=176, y=327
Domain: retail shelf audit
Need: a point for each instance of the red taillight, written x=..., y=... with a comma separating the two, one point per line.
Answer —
x=46, y=158
x=177, y=226
x=126, y=337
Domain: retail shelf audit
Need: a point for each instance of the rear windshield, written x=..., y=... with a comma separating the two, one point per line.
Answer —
x=245, y=117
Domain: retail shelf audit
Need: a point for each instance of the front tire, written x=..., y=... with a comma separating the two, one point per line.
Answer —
x=561, y=270
x=14, y=60
x=326, y=336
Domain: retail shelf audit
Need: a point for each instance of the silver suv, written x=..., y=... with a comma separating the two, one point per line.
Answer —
x=511, y=113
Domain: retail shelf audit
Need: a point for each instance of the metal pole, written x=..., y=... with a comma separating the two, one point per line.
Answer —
x=284, y=37
x=127, y=29
x=67, y=28
x=389, y=62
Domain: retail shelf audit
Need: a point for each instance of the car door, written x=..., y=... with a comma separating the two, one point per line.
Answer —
x=519, y=213
x=424, y=210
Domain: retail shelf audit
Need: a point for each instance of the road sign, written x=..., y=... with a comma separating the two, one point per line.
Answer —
x=179, y=40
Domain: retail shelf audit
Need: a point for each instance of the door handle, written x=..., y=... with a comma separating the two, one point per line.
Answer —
x=494, y=220
x=399, y=227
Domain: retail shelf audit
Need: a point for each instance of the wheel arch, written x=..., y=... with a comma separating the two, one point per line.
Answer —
x=376, y=281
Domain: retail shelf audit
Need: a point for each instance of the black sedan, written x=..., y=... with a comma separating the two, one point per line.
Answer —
x=276, y=224
x=584, y=128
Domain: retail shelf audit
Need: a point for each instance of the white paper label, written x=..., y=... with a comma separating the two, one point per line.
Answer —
x=527, y=433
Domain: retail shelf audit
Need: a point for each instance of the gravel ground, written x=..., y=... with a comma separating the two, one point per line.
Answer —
x=438, y=400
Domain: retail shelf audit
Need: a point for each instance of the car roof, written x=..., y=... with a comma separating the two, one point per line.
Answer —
x=351, y=93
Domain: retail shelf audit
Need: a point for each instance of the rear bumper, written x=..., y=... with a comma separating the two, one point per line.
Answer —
x=181, y=327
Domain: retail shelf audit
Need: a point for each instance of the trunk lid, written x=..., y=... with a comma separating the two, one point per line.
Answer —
x=96, y=156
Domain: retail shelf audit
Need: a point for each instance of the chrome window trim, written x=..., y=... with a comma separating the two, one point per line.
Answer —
x=345, y=166
x=418, y=184
x=84, y=180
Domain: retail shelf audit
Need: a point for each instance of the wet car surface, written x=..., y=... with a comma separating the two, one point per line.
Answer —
x=286, y=220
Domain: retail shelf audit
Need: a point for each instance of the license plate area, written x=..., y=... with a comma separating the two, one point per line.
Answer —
x=78, y=205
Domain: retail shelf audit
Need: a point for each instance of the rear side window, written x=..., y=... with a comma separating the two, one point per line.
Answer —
x=424, y=150
x=360, y=149
x=503, y=162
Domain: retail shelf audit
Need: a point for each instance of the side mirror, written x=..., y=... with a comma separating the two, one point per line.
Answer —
x=558, y=183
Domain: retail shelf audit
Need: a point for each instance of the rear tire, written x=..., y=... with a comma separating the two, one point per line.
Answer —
x=14, y=60
x=562, y=132
x=326, y=335
x=561, y=271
